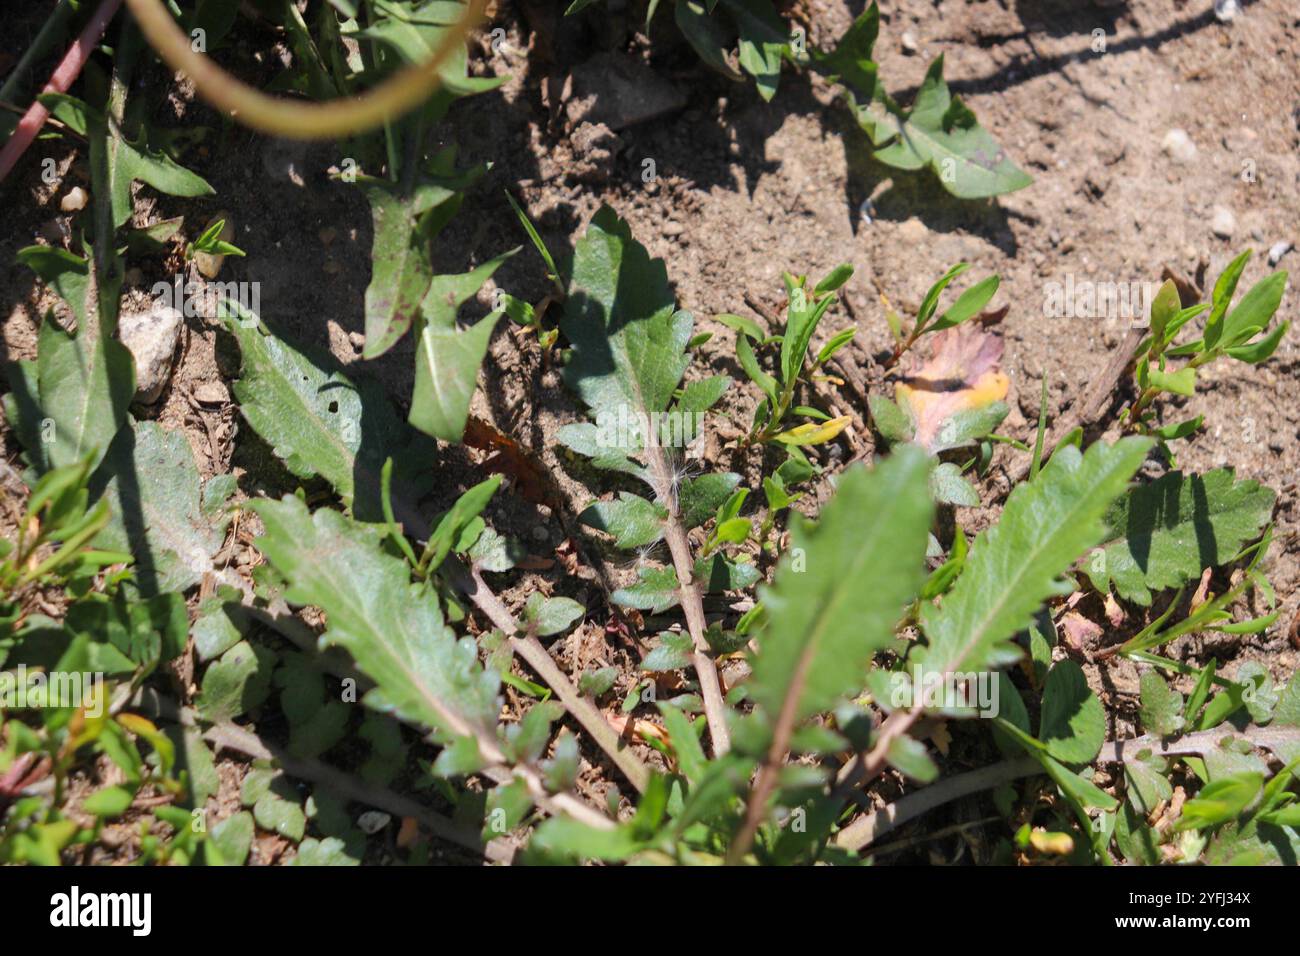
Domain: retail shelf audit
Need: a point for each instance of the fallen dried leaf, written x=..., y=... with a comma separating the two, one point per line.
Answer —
x=961, y=375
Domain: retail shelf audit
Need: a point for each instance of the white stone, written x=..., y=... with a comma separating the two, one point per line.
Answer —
x=1179, y=146
x=1278, y=250
x=74, y=201
x=1225, y=11
x=1224, y=223
x=151, y=338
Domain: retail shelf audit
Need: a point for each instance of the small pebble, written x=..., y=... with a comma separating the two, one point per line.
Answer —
x=913, y=230
x=151, y=337
x=1179, y=146
x=1278, y=250
x=212, y=393
x=908, y=42
x=74, y=201
x=372, y=821
x=1225, y=11
x=1224, y=223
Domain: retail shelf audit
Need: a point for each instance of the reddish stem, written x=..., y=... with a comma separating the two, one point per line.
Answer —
x=61, y=79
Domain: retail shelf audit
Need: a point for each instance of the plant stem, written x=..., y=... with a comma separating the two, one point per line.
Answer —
x=40, y=46
x=61, y=79
x=540, y=660
x=715, y=708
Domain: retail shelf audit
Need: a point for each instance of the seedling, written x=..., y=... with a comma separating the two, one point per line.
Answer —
x=804, y=312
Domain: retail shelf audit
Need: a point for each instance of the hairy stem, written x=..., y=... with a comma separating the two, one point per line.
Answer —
x=715, y=708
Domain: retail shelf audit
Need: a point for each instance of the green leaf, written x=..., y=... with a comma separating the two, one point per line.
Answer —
x=1220, y=801
x=701, y=395
x=629, y=340
x=402, y=252
x=718, y=574
x=127, y=161
x=234, y=837
x=1182, y=382
x=763, y=41
x=1160, y=706
x=968, y=425
x=941, y=132
x=1255, y=310
x=446, y=372
x=656, y=591
x=1165, y=533
x=803, y=315
x=1147, y=784
x=890, y=420
x=453, y=525
x=671, y=652
x=703, y=33
x=599, y=682
x=1262, y=349
x=280, y=816
x=741, y=323
x=851, y=59
x=493, y=551
x=330, y=851
x=313, y=417
x=632, y=520
x=949, y=487
x=827, y=618
x=82, y=384
x=968, y=304
x=1015, y=566
x=1073, y=724
x=552, y=615
x=109, y=802
x=446, y=359
x=213, y=631
x=699, y=498
x=413, y=32
x=157, y=510
x=909, y=757
x=393, y=629
x=749, y=365
x=149, y=632
x=1224, y=288
x=236, y=683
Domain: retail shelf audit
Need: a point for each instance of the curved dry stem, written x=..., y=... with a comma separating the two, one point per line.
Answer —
x=297, y=119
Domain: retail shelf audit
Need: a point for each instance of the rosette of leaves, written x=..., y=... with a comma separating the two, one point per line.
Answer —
x=938, y=132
